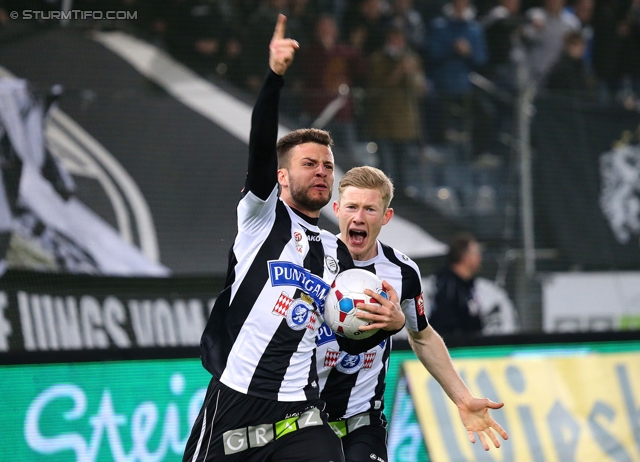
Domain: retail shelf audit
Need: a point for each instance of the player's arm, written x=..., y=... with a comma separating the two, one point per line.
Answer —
x=474, y=412
x=263, y=162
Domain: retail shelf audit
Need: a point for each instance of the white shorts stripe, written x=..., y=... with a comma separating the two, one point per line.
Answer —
x=202, y=430
x=211, y=431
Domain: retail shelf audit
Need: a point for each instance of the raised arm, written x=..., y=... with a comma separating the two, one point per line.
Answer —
x=263, y=162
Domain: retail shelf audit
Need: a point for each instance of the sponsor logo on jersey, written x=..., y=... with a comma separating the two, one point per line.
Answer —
x=331, y=264
x=299, y=315
x=420, y=304
x=314, y=238
x=283, y=273
x=325, y=335
x=282, y=305
x=312, y=321
x=331, y=358
x=297, y=236
x=368, y=360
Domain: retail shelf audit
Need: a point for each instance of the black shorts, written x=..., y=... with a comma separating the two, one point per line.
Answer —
x=233, y=426
x=367, y=443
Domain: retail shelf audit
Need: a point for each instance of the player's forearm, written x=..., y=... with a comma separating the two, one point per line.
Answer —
x=263, y=163
x=433, y=354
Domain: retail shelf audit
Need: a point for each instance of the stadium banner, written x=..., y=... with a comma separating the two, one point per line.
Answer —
x=119, y=411
x=586, y=172
x=560, y=406
x=583, y=302
x=49, y=312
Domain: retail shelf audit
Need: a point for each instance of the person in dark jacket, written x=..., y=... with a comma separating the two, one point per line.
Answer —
x=570, y=74
x=455, y=310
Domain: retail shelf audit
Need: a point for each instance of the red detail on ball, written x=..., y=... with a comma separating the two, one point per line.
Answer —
x=338, y=295
x=343, y=316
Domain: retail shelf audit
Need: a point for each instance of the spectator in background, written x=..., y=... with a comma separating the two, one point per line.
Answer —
x=570, y=73
x=543, y=36
x=364, y=24
x=195, y=34
x=395, y=88
x=501, y=26
x=305, y=14
x=430, y=9
x=331, y=68
x=455, y=310
x=456, y=47
x=583, y=10
x=404, y=14
x=609, y=33
x=631, y=57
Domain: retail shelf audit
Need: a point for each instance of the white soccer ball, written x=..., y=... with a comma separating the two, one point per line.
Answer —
x=346, y=292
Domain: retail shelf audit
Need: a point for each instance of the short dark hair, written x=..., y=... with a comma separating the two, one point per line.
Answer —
x=298, y=137
x=458, y=246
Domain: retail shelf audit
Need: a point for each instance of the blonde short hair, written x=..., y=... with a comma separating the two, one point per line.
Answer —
x=367, y=177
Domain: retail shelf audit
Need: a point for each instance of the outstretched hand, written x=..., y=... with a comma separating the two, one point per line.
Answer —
x=387, y=316
x=476, y=419
x=281, y=50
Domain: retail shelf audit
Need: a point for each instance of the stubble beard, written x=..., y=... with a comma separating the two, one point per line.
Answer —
x=302, y=197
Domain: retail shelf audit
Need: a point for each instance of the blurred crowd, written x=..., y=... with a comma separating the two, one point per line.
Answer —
x=404, y=82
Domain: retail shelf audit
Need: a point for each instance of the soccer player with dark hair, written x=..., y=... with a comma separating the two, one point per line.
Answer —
x=259, y=344
x=353, y=385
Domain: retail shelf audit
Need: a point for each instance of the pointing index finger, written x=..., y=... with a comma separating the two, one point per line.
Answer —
x=280, y=27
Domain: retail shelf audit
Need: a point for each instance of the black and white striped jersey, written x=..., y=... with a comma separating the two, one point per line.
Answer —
x=352, y=384
x=260, y=336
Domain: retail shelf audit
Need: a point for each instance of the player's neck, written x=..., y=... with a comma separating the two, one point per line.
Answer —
x=462, y=272
x=313, y=220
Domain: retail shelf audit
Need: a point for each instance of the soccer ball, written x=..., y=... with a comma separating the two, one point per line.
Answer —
x=340, y=305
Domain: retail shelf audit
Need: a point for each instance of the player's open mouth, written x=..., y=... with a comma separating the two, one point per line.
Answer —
x=356, y=236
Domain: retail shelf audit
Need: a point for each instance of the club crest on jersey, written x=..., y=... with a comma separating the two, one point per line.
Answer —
x=331, y=264
x=299, y=315
x=284, y=273
x=349, y=364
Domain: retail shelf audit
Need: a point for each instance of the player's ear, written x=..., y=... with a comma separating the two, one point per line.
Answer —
x=336, y=207
x=387, y=216
x=283, y=177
